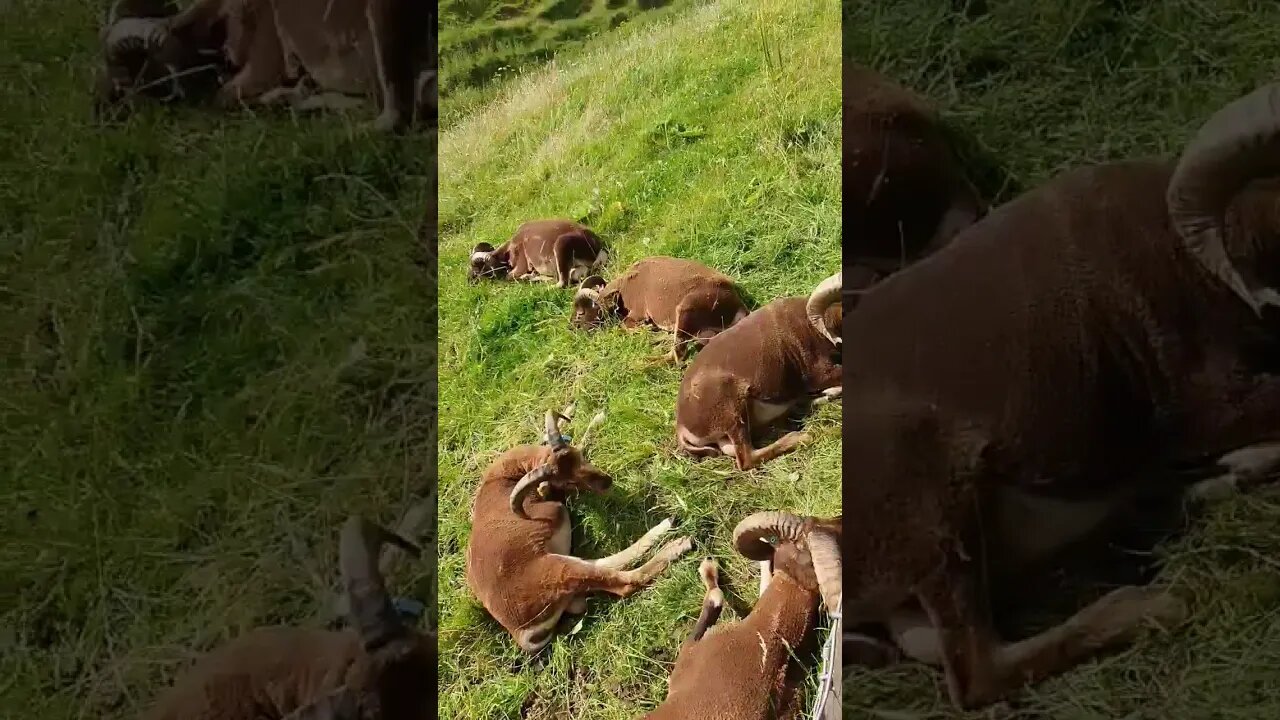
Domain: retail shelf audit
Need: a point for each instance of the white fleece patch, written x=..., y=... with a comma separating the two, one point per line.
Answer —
x=149, y=30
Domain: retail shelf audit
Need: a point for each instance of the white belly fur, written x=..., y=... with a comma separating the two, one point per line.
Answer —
x=764, y=413
x=1031, y=527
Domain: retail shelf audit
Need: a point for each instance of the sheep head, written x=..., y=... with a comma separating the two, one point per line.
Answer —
x=486, y=262
x=397, y=661
x=564, y=469
x=591, y=305
x=1224, y=200
x=807, y=549
x=823, y=309
x=146, y=52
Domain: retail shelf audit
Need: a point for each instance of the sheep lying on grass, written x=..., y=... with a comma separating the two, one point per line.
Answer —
x=1123, y=327
x=559, y=251
x=750, y=670
x=683, y=297
x=379, y=668
x=519, y=561
x=755, y=372
x=275, y=52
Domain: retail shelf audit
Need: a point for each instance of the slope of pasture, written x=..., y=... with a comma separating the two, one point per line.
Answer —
x=485, y=42
x=713, y=136
x=1047, y=85
x=217, y=339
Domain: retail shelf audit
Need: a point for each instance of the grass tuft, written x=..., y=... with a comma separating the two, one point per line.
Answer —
x=216, y=345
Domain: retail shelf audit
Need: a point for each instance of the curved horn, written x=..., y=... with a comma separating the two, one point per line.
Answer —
x=1237, y=144
x=371, y=611
x=749, y=537
x=827, y=565
x=527, y=483
x=135, y=33
x=823, y=296
x=554, y=438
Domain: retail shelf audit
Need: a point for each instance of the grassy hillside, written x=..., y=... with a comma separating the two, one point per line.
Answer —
x=215, y=344
x=484, y=43
x=721, y=145
x=1047, y=86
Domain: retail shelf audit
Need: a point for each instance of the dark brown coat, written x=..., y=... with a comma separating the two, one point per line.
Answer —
x=276, y=51
x=1012, y=393
x=905, y=192
x=751, y=670
x=683, y=297
x=753, y=374
x=379, y=667
x=559, y=251
x=521, y=568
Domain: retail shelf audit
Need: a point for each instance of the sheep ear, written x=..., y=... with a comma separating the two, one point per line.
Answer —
x=337, y=705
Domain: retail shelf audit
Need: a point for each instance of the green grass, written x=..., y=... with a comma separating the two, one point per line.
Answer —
x=485, y=44
x=1045, y=86
x=216, y=343
x=722, y=145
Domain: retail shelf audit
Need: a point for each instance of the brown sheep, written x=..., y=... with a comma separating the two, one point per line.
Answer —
x=683, y=297
x=905, y=192
x=559, y=251
x=1013, y=393
x=276, y=51
x=380, y=668
x=519, y=564
x=757, y=371
x=750, y=670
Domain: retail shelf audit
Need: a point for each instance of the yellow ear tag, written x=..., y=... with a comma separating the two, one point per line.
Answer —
x=544, y=490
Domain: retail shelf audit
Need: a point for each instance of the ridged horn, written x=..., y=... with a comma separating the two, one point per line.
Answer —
x=822, y=297
x=1237, y=144
x=527, y=483
x=749, y=537
x=134, y=34
x=827, y=565
x=369, y=605
x=554, y=438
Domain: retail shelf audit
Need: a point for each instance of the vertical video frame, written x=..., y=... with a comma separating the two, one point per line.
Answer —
x=219, y=332
x=640, y=359
x=1061, y=429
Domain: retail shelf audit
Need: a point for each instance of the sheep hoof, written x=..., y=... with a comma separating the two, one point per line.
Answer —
x=1120, y=615
x=676, y=548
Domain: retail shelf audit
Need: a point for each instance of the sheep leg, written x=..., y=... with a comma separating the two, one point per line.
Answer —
x=745, y=456
x=1246, y=466
x=520, y=269
x=584, y=576
x=980, y=669
x=563, y=251
x=629, y=556
x=712, y=601
x=686, y=330
x=533, y=637
x=392, y=47
x=263, y=69
x=828, y=395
